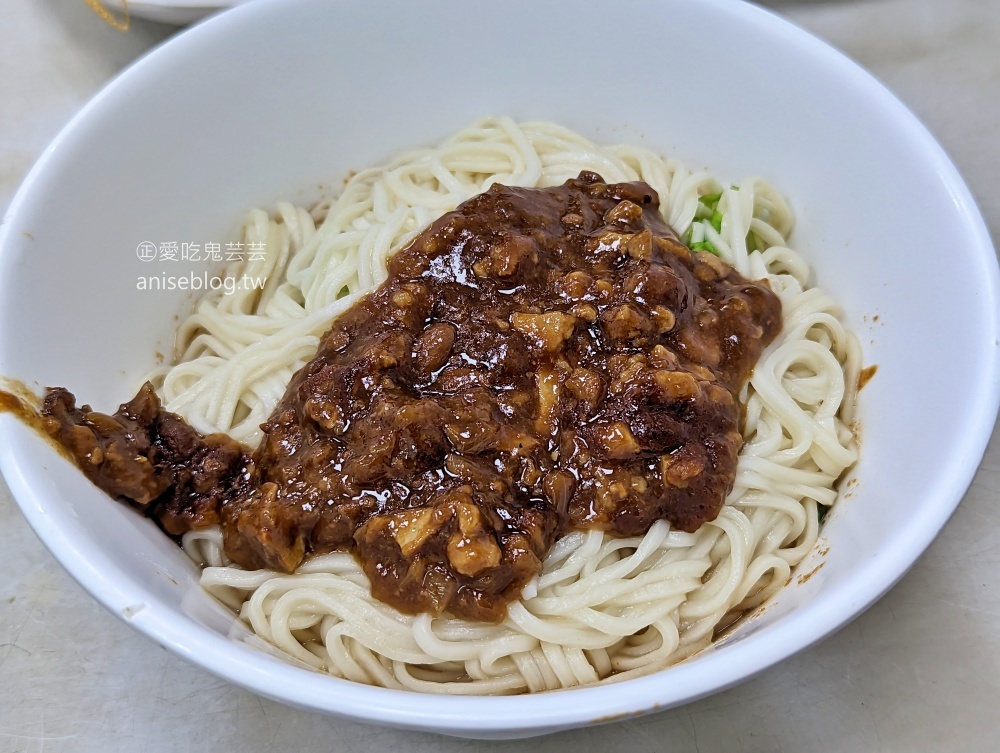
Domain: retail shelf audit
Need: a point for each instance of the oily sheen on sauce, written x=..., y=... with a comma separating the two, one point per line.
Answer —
x=537, y=360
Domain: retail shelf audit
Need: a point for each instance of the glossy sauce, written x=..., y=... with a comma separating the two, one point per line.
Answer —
x=537, y=360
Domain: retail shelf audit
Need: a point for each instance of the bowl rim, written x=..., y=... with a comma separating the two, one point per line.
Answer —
x=795, y=632
x=146, y=5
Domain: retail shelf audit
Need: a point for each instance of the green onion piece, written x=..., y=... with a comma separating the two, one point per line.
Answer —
x=717, y=221
x=710, y=200
x=704, y=246
x=823, y=510
x=343, y=291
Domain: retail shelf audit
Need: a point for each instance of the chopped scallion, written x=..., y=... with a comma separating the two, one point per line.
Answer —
x=717, y=221
x=710, y=200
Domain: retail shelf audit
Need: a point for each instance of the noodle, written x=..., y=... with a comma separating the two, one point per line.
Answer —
x=603, y=609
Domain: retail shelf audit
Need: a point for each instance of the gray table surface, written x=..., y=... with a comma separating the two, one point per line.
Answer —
x=920, y=671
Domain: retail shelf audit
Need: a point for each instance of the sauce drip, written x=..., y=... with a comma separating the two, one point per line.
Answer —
x=538, y=360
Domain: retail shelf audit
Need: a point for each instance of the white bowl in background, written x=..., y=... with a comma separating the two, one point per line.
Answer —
x=273, y=98
x=176, y=12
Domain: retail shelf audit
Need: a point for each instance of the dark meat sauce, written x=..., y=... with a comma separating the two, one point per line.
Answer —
x=538, y=360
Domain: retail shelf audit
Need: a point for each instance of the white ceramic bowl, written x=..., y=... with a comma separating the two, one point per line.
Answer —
x=274, y=97
x=177, y=12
